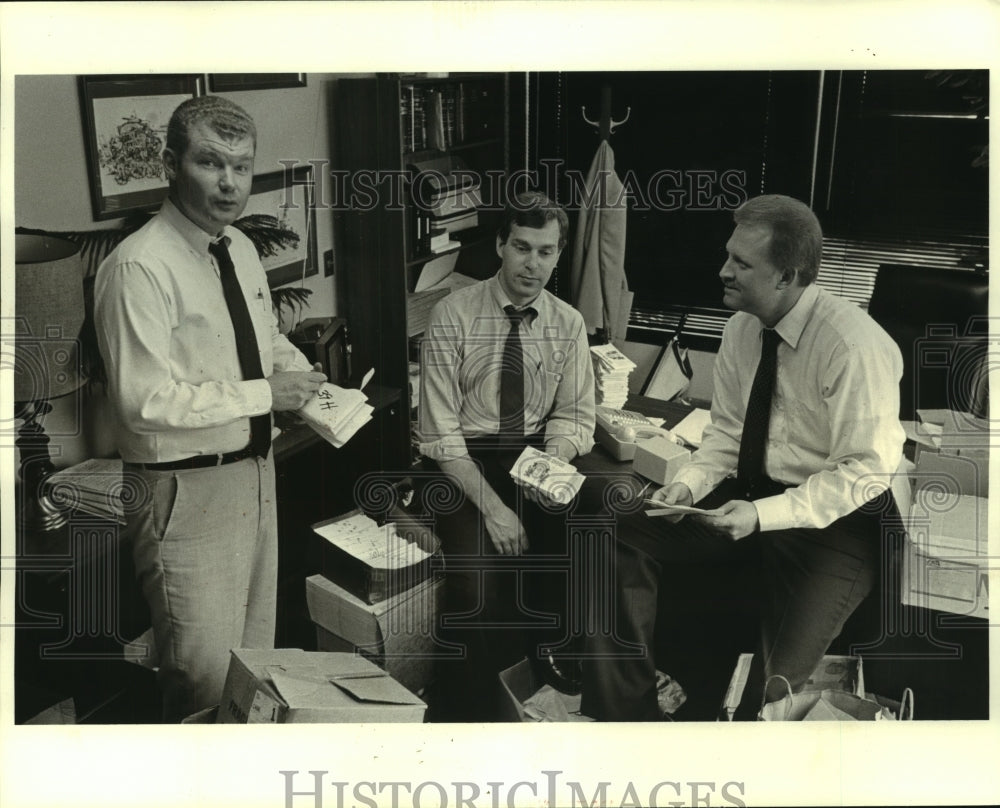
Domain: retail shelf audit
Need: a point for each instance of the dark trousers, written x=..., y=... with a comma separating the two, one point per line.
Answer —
x=799, y=586
x=498, y=609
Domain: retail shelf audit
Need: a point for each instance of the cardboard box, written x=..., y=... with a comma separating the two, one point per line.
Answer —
x=841, y=673
x=960, y=474
x=944, y=584
x=398, y=633
x=292, y=686
x=374, y=584
x=659, y=459
x=519, y=684
x=948, y=432
x=945, y=559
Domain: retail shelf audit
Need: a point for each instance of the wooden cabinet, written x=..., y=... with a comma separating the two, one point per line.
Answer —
x=399, y=138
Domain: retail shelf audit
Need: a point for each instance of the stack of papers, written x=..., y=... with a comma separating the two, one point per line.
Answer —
x=555, y=478
x=611, y=372
x=94, y=486
x=376, y=545
x=336, y=413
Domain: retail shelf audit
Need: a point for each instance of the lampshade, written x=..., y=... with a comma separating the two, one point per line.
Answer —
x=49, y=312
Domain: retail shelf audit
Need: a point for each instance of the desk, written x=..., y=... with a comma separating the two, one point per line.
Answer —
x=600, y=462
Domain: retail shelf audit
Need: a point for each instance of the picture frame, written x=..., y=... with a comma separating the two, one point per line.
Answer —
x=288, y=196
x=124, y=126
x=232, y=82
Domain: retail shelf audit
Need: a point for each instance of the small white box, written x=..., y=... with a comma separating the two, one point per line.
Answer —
x=659, y=459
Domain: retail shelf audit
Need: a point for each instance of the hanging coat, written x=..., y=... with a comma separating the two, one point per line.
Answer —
x=598, y=285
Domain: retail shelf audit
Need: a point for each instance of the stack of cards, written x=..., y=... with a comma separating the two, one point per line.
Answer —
x=555, y=478
x=611, y=372
x=337, y=413
x=376, y=545
x=94, y=486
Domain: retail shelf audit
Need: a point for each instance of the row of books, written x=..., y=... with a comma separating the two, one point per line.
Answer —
x=442, y=117
x=447, y=202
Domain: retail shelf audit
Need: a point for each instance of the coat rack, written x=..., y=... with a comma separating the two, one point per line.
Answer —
x=605, y=126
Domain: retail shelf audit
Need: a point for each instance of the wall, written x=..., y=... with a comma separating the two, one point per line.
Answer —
x=52, y=192
x=52, y=189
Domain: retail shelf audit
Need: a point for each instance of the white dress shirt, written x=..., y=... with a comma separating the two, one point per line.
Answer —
x=167, y=341
x=834, y=432
x=461, y=355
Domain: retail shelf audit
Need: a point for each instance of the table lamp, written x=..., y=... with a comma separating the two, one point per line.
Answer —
x=49, y=313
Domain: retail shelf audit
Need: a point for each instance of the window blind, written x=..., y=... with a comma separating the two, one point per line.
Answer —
x=848, y=269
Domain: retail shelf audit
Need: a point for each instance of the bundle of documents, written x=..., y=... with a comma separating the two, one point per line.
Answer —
x=94, y=486
x=557, y=479
x=611, y=372
x=336, y=413
x=376, y=545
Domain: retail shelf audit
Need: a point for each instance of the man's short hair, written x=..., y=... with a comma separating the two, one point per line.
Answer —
x=796, y=235
x=533, y=209
x=230, y=120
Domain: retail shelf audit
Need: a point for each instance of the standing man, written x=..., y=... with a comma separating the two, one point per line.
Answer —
x=195, y=366
x=794, y=470
x=505, y=364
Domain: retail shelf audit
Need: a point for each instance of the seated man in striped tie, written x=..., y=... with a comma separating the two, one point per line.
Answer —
x=793, y=471
x=504, y=364
x=195, y=366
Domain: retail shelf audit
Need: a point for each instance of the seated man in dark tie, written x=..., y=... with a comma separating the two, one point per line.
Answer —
x=794, y=470
x=195, y=366
x=504, y=365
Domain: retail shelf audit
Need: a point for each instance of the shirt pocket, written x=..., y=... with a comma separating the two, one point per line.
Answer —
x=540, y=390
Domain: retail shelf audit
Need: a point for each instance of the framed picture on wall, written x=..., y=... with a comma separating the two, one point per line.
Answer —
x=125, y=129
x=287, y=196
x=230, y=82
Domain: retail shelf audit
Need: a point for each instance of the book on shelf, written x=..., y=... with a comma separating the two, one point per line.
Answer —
x=455, y=201
x=476, y=106
x=448, y=115
x=448, y=246
x=413, y=118
x=439, y=238
x=457, y=222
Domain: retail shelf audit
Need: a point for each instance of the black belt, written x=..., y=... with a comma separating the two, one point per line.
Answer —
x=196, y=462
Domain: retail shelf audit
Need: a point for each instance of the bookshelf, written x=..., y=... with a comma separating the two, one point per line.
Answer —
x=420, y=154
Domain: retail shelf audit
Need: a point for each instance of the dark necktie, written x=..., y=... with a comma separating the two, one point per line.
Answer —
x=246, y=340
x=512, y=380
x=755, y=424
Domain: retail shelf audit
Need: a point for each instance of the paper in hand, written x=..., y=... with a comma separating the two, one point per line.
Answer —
x=660, y=508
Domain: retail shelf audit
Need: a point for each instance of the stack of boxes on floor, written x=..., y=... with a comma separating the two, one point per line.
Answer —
x=375, y=606
x=379, y=593
x=945, y=565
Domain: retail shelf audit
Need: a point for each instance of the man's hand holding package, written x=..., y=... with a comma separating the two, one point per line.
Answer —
x=291, y=389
